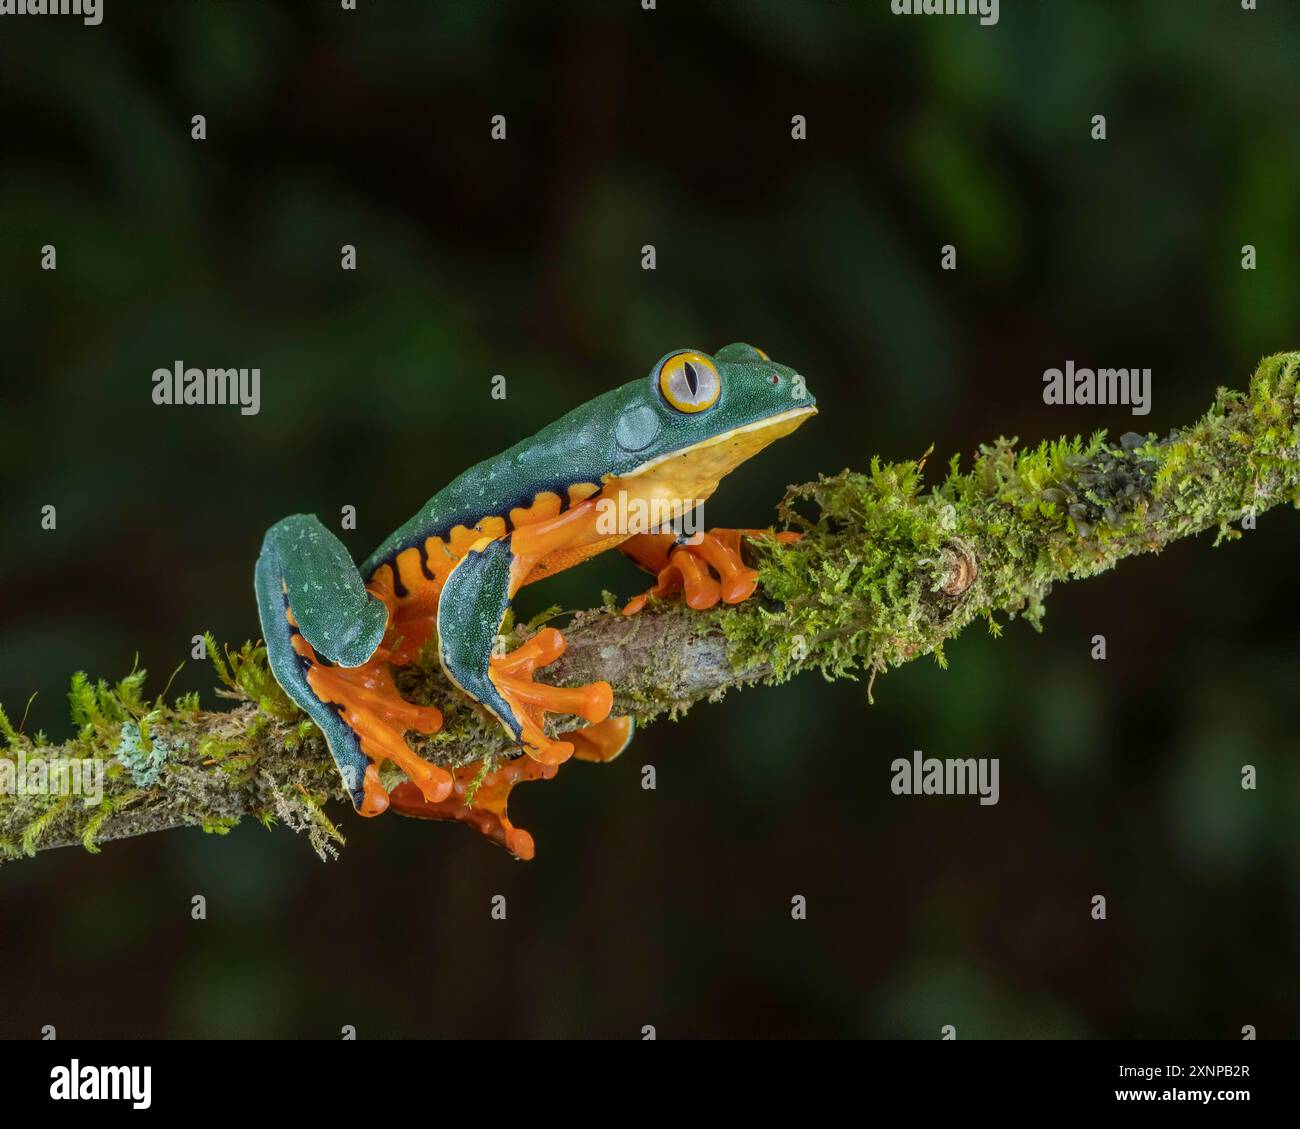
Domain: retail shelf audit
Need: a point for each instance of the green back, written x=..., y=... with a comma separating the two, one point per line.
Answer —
x=613, y=434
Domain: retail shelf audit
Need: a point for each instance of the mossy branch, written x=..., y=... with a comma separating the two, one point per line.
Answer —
x=886, y=572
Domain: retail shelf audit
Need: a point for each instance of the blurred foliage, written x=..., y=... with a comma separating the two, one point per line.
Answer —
x=476, y=258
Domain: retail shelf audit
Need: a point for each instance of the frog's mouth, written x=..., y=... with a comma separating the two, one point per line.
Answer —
x=686, y=477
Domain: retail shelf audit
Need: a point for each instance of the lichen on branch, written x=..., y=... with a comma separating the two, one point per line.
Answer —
x=886, y=572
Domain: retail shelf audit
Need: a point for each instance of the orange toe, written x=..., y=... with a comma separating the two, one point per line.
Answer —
x=602, y=742
x=530, y=701
x=376, y=800
x=707, y=568
x=369, y=703
x=636, y=603
x=486, y=811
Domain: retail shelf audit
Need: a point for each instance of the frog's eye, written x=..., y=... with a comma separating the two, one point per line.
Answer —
x=690, y=382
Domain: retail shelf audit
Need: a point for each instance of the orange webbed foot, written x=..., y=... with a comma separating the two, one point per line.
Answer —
x=530, y=701
x=706, y=568
x=486, y=811
x=369, y=702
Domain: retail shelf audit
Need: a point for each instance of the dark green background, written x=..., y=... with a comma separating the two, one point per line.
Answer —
x=669, y=908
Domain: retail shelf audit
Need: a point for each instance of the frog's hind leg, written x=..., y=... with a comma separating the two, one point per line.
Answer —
x=323, y=634
x=480, y=799
x=471, y=608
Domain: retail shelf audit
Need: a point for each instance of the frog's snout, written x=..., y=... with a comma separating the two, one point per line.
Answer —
x=803, y=398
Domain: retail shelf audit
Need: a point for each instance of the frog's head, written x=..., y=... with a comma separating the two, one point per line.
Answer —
x=696, y=417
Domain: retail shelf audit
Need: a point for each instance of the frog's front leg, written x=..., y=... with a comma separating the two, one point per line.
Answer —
x=471, y=609
x=323, y=634
x=706, y=568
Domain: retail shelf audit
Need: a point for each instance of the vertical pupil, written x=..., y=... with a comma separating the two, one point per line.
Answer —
x=692, y=378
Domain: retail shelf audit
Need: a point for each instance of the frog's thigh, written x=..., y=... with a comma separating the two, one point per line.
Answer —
x=290, y=669
x=333, y=610
x=322, y=632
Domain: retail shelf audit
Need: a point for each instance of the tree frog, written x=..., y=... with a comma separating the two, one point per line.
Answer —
x=333, y=632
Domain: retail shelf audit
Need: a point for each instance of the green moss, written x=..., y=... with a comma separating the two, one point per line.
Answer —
x=477, y=782
x=138, y=740
x=36, y=829
x=303, y=731
x=217, y=749
x=7, y=730
x=871, y=585
x=247, y=673
x=322, y=830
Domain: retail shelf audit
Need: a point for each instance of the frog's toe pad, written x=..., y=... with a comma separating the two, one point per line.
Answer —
x=530, y=701
x=374, y=800
x=601, y=742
